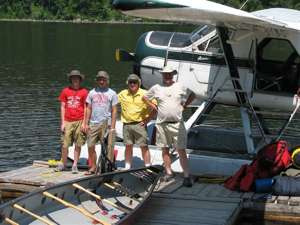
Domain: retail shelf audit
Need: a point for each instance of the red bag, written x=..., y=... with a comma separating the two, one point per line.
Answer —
x=270, y=161
x=273, y=159
x=233, y=182
x=248, y=180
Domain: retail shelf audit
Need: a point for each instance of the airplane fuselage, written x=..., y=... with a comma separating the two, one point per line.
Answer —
x=270, y=81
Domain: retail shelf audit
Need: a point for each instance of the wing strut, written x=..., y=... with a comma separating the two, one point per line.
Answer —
x=241, y=95
x=229, y=58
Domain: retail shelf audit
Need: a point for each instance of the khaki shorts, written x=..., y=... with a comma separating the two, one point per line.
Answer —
x=134, y=133
x=96, y=133
x=171, y=134
x=73, y=134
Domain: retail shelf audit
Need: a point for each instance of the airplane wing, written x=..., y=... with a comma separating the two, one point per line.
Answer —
x=203, y=11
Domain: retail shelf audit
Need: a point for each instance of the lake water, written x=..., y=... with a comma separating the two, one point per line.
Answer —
x=34, y=60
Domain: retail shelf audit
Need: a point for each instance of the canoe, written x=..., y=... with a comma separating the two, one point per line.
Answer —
x=110, y=198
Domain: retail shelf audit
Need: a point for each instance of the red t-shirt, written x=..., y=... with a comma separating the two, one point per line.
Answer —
x=74, y=103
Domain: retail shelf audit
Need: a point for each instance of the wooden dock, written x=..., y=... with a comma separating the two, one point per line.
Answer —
x=17, y=182
x=208, y=202
x=202, y=204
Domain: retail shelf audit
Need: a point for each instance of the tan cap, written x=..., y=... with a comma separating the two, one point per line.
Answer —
x=75, y=73
x=102, y=74
x=134, y=77
x=168, y=69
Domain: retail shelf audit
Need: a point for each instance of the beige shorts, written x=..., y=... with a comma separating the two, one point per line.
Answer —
x=73, y=134
x=134, y=133
x=96, y=133
x=171, y=134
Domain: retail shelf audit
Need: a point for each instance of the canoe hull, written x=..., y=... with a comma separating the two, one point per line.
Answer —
x=121, y=196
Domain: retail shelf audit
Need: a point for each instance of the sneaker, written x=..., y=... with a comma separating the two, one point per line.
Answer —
x=60, y=167
x=74, y=169
x=187, y=182
x=168, y=177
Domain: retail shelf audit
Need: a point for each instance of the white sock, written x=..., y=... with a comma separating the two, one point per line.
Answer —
x=127, y=166
x=147, y=164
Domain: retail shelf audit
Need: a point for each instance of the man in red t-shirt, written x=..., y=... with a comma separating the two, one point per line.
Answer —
x=73, y=108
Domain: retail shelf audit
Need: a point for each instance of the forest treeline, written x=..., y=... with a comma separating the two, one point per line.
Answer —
x=101, y=10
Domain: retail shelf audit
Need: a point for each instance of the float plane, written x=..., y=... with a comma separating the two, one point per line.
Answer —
x=245, y=59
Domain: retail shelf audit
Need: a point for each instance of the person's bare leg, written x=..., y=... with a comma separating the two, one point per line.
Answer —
x=167, y=160
x=146, y=155
x=184, y=162
x=128, y=156
x=92, y=157
x=77, y=151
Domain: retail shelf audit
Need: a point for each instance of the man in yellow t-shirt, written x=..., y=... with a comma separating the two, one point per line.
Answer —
x=135, y=114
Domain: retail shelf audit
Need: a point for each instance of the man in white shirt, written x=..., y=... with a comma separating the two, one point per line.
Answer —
x=170, y=127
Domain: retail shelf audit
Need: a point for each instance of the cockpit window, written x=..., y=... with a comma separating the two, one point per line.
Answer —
x=162, y=38
x=179, y=40
x=277, y=50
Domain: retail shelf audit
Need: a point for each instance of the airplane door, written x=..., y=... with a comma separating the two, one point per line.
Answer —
x=203, y=72
x=209, y=73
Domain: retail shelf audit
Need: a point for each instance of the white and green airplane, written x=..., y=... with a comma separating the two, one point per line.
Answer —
x=238, y=58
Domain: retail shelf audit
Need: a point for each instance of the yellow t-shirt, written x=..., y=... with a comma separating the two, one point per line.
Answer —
x=133, y=108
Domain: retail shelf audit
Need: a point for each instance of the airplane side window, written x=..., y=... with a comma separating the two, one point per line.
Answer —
x=162, y=38
x=277, y=50
x=277, y=66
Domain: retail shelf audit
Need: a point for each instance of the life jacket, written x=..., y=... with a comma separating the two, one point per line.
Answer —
x=270, y=161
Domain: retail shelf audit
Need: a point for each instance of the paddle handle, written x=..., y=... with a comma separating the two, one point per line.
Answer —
x=83, y=211
x=33, y=214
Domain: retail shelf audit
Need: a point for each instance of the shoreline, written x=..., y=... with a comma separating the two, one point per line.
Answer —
x=79, y=21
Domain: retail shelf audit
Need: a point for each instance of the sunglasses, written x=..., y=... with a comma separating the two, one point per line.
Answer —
x=132, y=82
x=101, y=79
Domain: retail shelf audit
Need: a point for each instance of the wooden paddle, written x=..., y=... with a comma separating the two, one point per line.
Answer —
x=110, y=145
x=81, y=210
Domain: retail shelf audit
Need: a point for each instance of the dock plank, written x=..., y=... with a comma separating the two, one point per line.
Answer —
x=201, y=204
x=169, y=187
x=283, y=199
x=294, y=201
x=171, y=210
x=32, y=177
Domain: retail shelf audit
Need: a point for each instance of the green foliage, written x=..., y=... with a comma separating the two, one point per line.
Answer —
x=100, y=10
x=93, y=10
